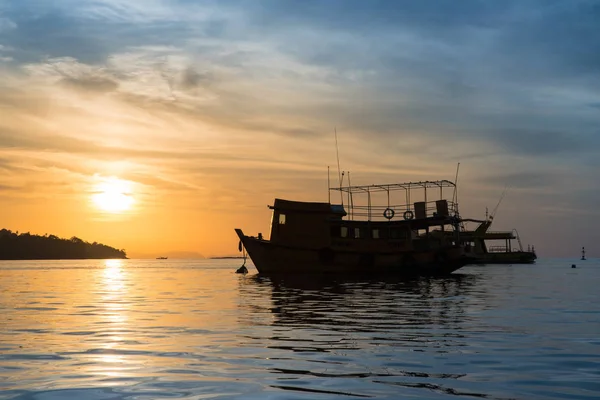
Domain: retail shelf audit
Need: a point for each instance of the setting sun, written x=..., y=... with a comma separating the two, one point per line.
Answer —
x=113, y=195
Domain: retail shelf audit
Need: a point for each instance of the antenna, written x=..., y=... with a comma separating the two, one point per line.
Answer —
x=349, y=195
x=340, y=174
x=499, y=201
x=455, y=194
x=328, y=186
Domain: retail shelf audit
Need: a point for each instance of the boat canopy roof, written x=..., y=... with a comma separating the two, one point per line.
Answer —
x=308, y=207
x=406, y=200
x=389, y=187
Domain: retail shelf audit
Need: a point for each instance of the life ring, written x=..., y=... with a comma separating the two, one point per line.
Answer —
x=389, y=213
x=408, y=214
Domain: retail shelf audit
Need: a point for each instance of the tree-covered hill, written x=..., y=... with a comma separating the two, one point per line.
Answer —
x=25, y=246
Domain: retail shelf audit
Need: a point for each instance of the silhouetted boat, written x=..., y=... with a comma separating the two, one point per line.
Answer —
x=161, y=258
x=314, y=237
x=479, y=244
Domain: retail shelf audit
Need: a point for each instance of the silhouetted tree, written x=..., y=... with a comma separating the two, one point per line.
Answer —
x=25, y=246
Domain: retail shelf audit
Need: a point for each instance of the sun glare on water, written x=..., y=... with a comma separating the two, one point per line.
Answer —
x=113, y=195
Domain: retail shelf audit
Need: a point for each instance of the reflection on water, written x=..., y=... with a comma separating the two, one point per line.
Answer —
x=113, y=274
x=114, y=321
x=365, y=329
x=371, y=305
x=130, y=329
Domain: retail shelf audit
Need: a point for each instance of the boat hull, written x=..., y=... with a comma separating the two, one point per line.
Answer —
x=270, y=258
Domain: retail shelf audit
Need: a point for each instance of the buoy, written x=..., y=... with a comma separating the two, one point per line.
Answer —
x=242, y=270
x=573, y=266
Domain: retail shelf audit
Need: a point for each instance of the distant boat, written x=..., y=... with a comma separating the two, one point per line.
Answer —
x=161, y=258
x=309, y=237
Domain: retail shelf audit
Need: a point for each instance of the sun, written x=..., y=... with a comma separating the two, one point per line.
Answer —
x=113, y=195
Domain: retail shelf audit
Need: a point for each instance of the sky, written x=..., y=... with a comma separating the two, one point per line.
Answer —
x=200, y=113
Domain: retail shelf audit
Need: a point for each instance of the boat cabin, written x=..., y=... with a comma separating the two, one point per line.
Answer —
x=369, y=227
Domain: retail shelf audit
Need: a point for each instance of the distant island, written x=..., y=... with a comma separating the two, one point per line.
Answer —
x=25, y=246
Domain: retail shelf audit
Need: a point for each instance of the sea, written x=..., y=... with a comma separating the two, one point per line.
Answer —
x=194, y=329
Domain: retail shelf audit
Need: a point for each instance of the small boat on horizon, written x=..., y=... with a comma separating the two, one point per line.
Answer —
x=162, y=258
x=386, y=233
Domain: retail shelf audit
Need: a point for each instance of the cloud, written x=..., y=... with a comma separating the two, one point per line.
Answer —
x=423, y=67
x=540, y=143
x=6, y=25
x=191, y=79
x=381, y=69
x=7, y=188
x=94, y=84
x=525, y=180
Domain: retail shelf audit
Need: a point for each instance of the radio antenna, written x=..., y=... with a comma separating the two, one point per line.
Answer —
x=328, y=186
x=493, y=214
x=337, y=153
x=455, y=194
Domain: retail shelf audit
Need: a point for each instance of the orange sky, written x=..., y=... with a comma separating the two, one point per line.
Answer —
x=204, y=128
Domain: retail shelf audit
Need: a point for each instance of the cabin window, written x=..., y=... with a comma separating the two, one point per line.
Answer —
x=360, y=233
x=344, y=231
x=375, y=233
x=281, y=219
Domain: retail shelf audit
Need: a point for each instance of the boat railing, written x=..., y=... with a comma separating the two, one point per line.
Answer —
x=502, y=249
x=500, y=233
x=399, y=211
x=370, y=202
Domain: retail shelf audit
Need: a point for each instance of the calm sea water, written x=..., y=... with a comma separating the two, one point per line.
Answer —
x=193, y=329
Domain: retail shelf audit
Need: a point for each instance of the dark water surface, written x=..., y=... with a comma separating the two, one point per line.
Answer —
x=193, y=329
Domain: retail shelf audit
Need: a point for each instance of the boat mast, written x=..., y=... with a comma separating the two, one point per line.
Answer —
x=350, y=202
x=493, y=214
x=328, y=186
x=337, y=153
x=455, y=194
